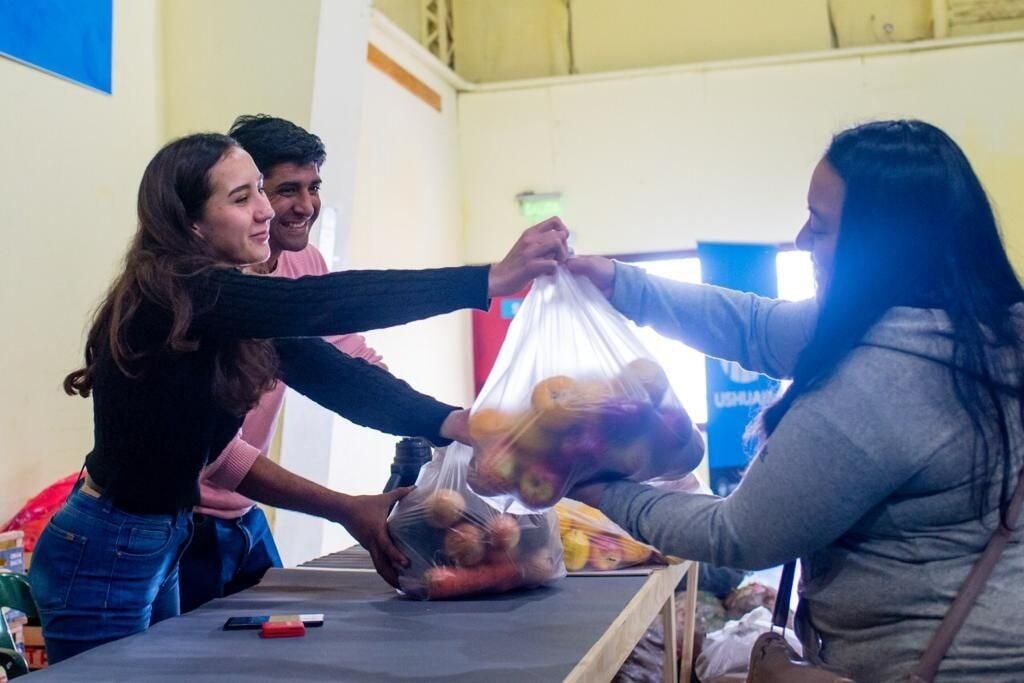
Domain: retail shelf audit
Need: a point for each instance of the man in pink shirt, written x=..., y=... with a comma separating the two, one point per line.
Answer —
x=232, y=546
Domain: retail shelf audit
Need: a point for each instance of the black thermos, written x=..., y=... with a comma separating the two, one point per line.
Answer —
x=410, y=455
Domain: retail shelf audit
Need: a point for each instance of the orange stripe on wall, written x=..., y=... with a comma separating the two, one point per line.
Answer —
x=395, y=72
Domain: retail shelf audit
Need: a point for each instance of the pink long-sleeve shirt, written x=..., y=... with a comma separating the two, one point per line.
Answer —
x=217, y=484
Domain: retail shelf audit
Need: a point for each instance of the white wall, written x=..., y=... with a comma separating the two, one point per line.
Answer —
x=335, y=116
x=405, y=214
x=659, y=160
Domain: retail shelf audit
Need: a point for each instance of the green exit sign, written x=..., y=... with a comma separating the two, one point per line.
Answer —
x=536, y=206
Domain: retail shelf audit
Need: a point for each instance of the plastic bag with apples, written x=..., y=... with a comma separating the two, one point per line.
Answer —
x=574, y=396
x=591, y=541
x=459, y=545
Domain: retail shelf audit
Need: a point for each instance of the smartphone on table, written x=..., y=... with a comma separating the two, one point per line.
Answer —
x=254, y=623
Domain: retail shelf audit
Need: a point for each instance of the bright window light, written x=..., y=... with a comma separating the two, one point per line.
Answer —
x=796, y=275
x=684, y=365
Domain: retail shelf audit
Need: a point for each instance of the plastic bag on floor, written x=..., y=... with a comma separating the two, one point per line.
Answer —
x=574, y=396
x=727, y=651
x=459, y=545
x=33, y=517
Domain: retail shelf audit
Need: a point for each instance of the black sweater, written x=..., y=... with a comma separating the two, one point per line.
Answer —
x=154, y=433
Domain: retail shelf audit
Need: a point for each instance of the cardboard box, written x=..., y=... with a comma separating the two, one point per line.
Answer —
x=12, y=551
x=35, y=650
x=15, y=626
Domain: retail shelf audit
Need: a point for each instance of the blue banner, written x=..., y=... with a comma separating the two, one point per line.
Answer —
x=735, y=396
x=69, y=38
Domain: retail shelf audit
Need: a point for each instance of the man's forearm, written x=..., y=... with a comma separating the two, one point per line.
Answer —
x=361, y=393
x=269, y=483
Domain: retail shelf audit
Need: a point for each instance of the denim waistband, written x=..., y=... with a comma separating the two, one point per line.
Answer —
x=104, y=506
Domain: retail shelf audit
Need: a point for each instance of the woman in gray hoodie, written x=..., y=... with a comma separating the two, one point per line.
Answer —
x=889, y=461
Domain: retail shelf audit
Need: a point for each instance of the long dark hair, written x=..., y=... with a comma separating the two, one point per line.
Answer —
x=163, y=254
x=917, y=230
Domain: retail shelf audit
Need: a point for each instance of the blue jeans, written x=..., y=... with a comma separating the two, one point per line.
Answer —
x=226, y=556
x=99, y=574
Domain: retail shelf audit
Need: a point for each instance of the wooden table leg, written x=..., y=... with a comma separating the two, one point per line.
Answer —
x=668, y=627
x=686, y=657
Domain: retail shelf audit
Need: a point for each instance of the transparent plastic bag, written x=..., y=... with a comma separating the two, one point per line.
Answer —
x=574, y=396
x=592, y=542
x=33, y=517
x=459, y=545
x=727, y=650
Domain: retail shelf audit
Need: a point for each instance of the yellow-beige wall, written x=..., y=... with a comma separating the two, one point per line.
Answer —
x=611, y=35
x=499, y=40
x=650, y=161
x=656, y=161
x=405, y=14
x=231, y=57
x=496, y=40
x=72, y=162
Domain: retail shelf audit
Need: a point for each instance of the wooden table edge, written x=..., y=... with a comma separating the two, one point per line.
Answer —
x=607, y=655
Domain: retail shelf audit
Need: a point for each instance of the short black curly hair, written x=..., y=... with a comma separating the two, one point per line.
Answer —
x=271, y=141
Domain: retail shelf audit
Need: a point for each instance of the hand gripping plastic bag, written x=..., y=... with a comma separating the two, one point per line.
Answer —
x=574, y=396
x=459, y=545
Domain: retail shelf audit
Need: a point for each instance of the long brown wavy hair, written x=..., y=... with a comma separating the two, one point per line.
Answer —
x=164, y=253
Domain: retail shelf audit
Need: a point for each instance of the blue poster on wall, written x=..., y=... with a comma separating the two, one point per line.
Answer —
x=68, y=38
x=735, y=395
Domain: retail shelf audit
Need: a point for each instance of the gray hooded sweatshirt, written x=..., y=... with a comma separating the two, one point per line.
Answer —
x=867, y=479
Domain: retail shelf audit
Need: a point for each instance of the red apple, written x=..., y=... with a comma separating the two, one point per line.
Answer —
x=493, y=470
x=464, y=544
x=539, y=567
x=672, y=429
x=605, y=553
x=540, y=486
x=583, y=443
x=443, y=508
x=623, y=420
x=676, y=447
x=504, y=532
x=628, y=458
x=671, y=461
x=533, y=439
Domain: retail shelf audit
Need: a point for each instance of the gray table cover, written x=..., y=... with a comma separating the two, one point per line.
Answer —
x=370, y=634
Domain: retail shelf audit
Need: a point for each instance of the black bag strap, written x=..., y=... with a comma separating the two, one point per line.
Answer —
x=780, y=614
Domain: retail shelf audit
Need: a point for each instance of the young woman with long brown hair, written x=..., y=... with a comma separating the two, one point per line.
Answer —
x=182, y=346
